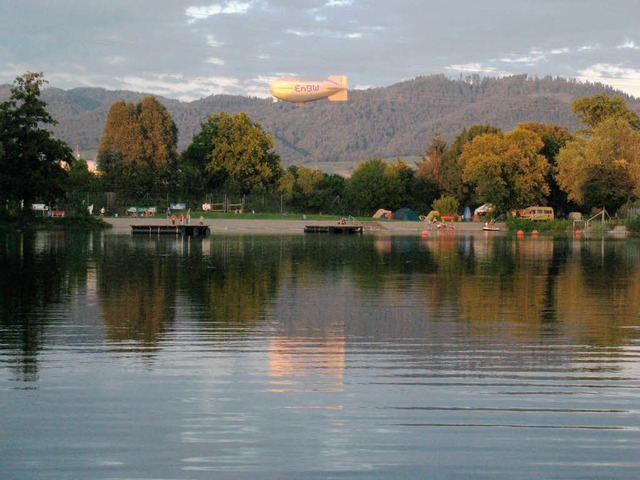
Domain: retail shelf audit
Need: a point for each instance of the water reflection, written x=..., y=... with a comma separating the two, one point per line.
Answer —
x=318, y=357
x=582, y=292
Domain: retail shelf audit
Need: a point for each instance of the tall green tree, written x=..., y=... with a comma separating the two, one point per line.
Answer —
x=602, y=170
x=375, y=184
x=594, y=110
x=79, y=183
x=507, y=169
x=32, y=163
x=233, y=152
x=311, y=190
x=138, y=149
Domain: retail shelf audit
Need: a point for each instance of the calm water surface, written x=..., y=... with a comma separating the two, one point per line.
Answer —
x=318, y=357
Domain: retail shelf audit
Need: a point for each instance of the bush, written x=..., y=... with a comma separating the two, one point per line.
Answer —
x=633, y=224
x=446, y=205
x=526, y=225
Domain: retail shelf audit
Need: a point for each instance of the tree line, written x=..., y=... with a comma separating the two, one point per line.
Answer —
x=139, y=162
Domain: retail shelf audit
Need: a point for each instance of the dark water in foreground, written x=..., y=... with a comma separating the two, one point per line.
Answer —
x=318, y=357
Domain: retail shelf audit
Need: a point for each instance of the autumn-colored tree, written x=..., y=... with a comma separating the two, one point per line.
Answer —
x=602, y=170
x=430, y=166
x=234, y=153
x=138, y=149
x=451, y=167
x=554, y=138
x=594, y=110
x=507, y=169
x=31, y=160
x=428, y=177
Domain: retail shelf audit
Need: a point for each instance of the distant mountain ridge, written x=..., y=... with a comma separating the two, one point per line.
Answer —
x=399, y=120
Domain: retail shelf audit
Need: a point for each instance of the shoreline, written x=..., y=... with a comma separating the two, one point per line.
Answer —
x=293, y=226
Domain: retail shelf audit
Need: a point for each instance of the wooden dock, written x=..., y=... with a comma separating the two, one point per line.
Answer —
x=334, y=229
x=183, y=230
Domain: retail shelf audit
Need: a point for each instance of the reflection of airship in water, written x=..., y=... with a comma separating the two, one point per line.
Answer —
x=302, y=91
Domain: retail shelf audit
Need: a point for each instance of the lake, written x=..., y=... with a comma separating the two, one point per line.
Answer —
x=248, y=356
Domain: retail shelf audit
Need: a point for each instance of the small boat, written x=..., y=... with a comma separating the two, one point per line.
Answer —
x=489, y=227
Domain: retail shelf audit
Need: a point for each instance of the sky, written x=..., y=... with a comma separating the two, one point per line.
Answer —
x=190, y=49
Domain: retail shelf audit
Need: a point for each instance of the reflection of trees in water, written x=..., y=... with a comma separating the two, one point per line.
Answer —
x=136, y=286
x=584, y=292
x=236, y=279
x=39, y=269
x=559, y=288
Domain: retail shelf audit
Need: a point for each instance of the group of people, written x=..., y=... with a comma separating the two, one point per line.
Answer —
x=181, y=217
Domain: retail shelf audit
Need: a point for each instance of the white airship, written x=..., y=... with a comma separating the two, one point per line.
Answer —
x=302, y=91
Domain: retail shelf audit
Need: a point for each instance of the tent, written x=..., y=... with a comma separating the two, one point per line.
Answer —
x=406, y=214
x=483, y=209
x=432, y=214
x=382, y=213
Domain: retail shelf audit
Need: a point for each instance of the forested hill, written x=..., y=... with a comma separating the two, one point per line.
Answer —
x=399, y=120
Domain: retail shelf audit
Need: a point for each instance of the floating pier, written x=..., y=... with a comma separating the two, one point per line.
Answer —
x=335, y=229
x=184, y=230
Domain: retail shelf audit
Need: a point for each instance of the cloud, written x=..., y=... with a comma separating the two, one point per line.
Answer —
x=178, y=86
x=475, y=67
x=114, y=59
x=229, y=8
x=299, y=33
x=628, y=45
x=212, y=42
x=215, y=61
x=523, y=60
x=622, y=78
x=589, y=48
x=534, y=57
x=338, y=3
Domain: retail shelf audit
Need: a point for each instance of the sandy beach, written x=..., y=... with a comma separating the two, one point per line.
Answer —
x=289, y=225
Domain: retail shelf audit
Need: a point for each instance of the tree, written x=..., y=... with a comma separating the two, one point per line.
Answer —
x=507, y=169
x=138, y=149
x=554, y=138
x=451, y=167
x=234, y=152
x=32, y=162
x=375, y=184
x=80, y=181
x=446, y=205
x=401, y=176
x=592, y=111
x=310, y=189
x=428, y=178
x=430, y=167
x=602, y=170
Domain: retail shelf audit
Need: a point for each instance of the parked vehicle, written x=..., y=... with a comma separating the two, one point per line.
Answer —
x=538, y=213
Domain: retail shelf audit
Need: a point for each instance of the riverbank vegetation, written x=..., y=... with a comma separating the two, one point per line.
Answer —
x=231, y=166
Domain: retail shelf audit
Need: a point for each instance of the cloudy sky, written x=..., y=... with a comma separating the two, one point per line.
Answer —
x=189, y=49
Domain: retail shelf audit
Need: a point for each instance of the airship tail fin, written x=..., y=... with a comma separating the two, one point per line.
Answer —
x=342, y=95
